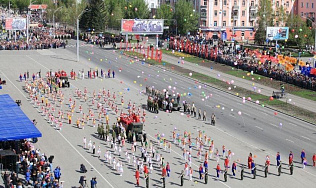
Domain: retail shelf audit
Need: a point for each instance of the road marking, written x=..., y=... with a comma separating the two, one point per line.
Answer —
x=264, y=113
x=305, y=137
x=259, y=128
x=232, y=116
x=273, y=125
x=60, y=132
x=182, y=87
x=155, y=83
x=289, y=140
x=293, y=124
x=222, y=104
x=246, y=114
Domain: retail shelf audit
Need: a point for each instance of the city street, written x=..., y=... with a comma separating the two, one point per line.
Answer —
x=243, y=127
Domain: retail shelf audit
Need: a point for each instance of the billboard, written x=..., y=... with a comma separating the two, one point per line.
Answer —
x=141, y=26
x=277, y=33
x=15, y=23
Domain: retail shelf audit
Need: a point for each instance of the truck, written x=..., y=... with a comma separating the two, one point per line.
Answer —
x=132, y=123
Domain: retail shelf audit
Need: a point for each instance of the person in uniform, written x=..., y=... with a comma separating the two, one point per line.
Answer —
x=181, y=178
x=242, y=173
x=253, y=169
x=147, y=180
x=206, y=176
x=137, y=177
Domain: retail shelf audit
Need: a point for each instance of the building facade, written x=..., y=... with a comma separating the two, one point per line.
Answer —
x=236, y=19
x=306, y=9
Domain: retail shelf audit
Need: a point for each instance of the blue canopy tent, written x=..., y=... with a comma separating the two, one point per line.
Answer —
x=14, y=124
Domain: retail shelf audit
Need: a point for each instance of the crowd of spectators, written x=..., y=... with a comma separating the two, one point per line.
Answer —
x=33, y=168
x=40, y=37
x=246, y=60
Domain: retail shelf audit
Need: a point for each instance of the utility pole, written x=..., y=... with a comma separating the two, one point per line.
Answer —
x=54, y=19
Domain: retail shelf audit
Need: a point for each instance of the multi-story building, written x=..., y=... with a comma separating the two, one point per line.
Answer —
x=236, y=19
x=306, y=9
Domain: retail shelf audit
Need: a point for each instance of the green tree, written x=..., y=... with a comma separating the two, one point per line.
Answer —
x=136, y=9
x=265, y=19
x=186, y=17
x=165, y=12
x=299, y=28
x=260, y=36
x=70, y=12
x=114, y=13
x=94, y=17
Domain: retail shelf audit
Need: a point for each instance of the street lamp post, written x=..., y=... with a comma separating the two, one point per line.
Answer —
x=54, y=18
x=315, y=29
x=78, y=33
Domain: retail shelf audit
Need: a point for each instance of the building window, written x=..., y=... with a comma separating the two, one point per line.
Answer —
x=243, y=33
x=277, y=23
x=243, y=13
x=287, y=4
x=243, y=3
x=277, y=13
x=252, y=3
x=203, y=23
x=235, y=23
x=224, y=12
x=205, y=2
x=235, y=3
x=225, y=2
x=302, y=5
x=224, y=23
x=251, y=23
x=243, y=23
x=251, y=33
x=302, y=13
x=215, y=23
x=287, y=12
x=152, y=5
x=215, y=2
x=277, y=3
x=306, y=5
x=312, y=5
x=215, y=12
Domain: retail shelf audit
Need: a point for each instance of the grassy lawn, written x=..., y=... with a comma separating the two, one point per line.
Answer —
x=140, y=56
x=241, y=92
x=292, y=89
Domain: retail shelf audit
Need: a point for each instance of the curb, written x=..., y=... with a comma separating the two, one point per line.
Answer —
x=174, y=72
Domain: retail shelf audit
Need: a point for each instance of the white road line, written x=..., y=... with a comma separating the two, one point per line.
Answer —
x=273, y=125
x=232, y=116
x=289, y=140
x=209, y=105
x=155, y=82
x=182, y=87
x=305, y=137
x=293, y=124
x=222, y=104
x=264, y=113
x=259, y=128
x=239, y=104
x=246, y=114
x=60, y=132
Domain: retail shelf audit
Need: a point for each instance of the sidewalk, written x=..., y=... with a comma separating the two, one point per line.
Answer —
x=243, y=83
x=239, y=82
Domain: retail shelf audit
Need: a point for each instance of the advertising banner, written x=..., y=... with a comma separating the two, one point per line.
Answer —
x=142, y=26
x=277, y=33
x=15, y=23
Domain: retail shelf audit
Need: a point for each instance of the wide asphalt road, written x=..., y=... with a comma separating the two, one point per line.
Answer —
x=257, y=129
